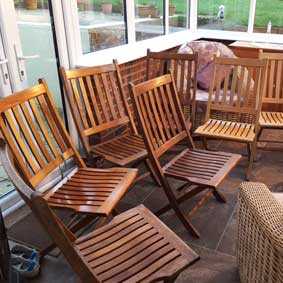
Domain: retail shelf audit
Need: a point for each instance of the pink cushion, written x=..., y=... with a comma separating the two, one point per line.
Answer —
x=206, y=51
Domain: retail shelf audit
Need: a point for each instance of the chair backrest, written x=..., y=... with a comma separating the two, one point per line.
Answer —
x=97, y=100
x=183, y=68
x=159, y=113
x=274, y=85
x=234, y=94
x=34, y=131
x=61, y=235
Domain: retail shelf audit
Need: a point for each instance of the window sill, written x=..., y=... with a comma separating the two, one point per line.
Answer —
x=129, y=52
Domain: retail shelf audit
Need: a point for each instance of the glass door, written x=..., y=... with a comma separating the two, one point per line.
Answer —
x=28, y=52
x=6, y=186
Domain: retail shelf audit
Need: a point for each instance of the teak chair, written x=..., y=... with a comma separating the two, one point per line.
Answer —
x=233, y=111
x=273, y=94
x=98, y=103
x=183, y=68
x=163, y=124
x=40, y=146
x=134, y=247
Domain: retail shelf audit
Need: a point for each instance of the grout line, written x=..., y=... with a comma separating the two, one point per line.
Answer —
x=192, y=245
x=226, y=227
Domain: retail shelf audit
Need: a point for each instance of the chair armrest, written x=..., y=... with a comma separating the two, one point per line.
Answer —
x=257, y=204
x=23, y=189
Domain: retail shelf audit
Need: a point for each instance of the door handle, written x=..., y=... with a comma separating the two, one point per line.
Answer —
x=4, y=70
x=4, y=61
x=23, y=58
x=20, y=61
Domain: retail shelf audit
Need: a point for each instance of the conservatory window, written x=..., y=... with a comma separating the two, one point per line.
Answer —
x=178, y=15
x=149, y=21
x=102, y=24
x=231, y=15
x=269, y=16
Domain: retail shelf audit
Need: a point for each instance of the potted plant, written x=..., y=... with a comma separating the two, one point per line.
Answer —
x=106, y=7
x=145, y=10
x=172, y=9
x=30, y=4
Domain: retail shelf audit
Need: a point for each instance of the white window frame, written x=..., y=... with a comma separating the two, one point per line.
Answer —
x=135, y=49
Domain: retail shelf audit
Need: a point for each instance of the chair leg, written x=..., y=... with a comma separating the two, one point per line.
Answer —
x=171, y=279
x=175, y=206
x=152, y=172
x=204, y=142
x=219, y=196
x=188, y=225
x=251, y=156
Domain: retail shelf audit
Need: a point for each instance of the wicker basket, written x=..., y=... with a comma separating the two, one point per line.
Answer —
x=260, y=235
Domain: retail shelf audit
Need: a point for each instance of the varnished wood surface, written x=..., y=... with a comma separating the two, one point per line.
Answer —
x=227, y=130
x=183, y=68
x=273, y=94
x=235, y=102
x=122, y=150
x=40, y=144
x=90, y=190
x=134, y=247
x=163, y=124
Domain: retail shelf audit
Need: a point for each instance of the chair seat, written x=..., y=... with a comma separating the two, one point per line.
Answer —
x=271, y=119
x=227, y=130
x=122, y=150
x=134, y=247
x=202, y=166
x=92, y=190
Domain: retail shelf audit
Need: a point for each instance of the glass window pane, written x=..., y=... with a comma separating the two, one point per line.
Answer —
x=149, y=18
x=33, y=20
x=102, y=24
x=178, y=12
x=232, y=15
x=269, y=16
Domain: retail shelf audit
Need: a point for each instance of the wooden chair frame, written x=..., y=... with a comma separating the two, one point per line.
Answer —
x=40, y=146
x=183, y=67
x=98, y=103
x=233, y=112
x=273, y=95
x=148, y=232
x=164, y=129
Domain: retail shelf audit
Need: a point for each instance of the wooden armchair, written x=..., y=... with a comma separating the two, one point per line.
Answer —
x=273, y=94
x=163, y=124
x=233, y=111
x=98, y=104
x=183, y=68
x=134, y=247
x=41, y=149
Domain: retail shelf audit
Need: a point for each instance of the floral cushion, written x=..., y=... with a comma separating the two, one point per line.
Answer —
x=206, y=51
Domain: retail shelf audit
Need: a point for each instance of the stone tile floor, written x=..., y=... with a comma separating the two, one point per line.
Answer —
x=215, y=221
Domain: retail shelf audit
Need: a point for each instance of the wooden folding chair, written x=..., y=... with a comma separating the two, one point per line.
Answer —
x=134, y=247
x=183, y=68
x=163, y=124
x=273, y=94
x=98, y=104
x=42, y=150
x=233, y=110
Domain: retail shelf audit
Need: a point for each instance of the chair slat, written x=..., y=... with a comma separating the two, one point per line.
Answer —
x=29, y=139
x=86, y=102
x=43, y=128
x=35, y=134
x=183, y=68
x=79, y=103
x=39, y=139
